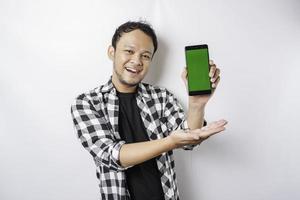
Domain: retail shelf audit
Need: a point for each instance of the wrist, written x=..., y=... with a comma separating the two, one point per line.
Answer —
x=196, y=108
x=197, y=105
x=170, y=142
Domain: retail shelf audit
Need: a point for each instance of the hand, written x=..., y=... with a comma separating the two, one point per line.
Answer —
x=180, y=138
x=214, y=74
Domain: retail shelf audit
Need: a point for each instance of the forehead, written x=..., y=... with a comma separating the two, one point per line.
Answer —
x=136, y=39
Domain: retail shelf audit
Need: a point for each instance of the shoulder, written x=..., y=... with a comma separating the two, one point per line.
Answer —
x=92, y=97
x=154, y=90
x=90, y=94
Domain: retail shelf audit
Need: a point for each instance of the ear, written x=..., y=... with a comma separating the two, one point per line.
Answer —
x=111, y=52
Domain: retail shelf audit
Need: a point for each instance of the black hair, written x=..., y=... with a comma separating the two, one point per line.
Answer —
x=131, y=26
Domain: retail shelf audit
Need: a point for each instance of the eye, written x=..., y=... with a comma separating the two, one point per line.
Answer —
x=146, y=57
x=128, y=51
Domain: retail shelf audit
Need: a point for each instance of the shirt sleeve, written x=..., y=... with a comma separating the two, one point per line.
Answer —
x=94, y=134
x=176, y=118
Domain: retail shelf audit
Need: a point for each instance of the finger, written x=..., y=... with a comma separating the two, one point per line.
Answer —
x=184, y=75
x=208, y=133
x=211, y=129
x=196, y=142
x=215, y=84
x=219, y=123
x=215, y=75
x=212, y=70
x=194, y=138
x=214, y=124
x=190, y=137
x=211, y=62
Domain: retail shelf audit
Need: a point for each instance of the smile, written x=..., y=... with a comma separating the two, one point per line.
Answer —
x=132, y=70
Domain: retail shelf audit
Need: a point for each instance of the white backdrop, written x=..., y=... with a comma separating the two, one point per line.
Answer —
x=51, y=51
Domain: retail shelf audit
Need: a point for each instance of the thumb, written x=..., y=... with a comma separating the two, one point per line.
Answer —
x=184, y=75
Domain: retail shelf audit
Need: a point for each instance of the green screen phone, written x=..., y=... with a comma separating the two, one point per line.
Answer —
x=197, y=62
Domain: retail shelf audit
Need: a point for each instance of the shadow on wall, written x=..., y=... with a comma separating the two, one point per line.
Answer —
x=157, y=66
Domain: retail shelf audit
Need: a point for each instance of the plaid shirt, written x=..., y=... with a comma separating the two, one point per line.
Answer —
x=95, y=116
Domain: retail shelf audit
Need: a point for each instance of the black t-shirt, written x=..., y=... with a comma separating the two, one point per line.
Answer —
x=143, y=180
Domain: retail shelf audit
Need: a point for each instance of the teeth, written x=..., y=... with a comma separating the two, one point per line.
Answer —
x=131, y=70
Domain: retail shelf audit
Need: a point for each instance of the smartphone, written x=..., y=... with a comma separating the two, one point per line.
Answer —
x=197, y=62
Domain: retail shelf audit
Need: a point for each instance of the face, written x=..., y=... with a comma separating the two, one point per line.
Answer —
x=131, y=60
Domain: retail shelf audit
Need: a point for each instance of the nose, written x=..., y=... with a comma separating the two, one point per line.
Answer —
x=136, y=59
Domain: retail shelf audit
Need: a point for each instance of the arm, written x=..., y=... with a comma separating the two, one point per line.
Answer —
x=98, y=140
x=197, y=103
x=176, y=118
x=135, y=153
x=116, y=155
x=195, y=116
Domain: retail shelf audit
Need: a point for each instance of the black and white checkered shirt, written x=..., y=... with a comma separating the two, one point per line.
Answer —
x=95, y=116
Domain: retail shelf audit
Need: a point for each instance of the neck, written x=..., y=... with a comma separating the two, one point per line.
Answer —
x=121, y=87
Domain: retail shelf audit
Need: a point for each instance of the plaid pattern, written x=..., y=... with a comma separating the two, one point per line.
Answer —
x=95, y=116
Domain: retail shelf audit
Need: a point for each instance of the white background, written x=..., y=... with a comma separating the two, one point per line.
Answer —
x=51, y=51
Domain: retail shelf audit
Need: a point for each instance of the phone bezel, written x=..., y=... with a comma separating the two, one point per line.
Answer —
x=193, y=47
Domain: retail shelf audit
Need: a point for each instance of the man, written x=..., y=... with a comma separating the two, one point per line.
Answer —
x=130, y=128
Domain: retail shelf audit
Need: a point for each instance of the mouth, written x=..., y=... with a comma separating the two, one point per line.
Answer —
x=132, y=70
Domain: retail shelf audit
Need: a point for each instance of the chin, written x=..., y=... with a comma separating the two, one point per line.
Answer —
x=131, y=82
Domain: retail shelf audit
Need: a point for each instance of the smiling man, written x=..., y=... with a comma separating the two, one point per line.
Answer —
x=130, y=128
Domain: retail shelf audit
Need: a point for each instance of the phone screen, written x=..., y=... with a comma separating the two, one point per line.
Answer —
x=197, y=61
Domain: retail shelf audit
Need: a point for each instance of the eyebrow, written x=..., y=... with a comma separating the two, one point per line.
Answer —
x=145, y=51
